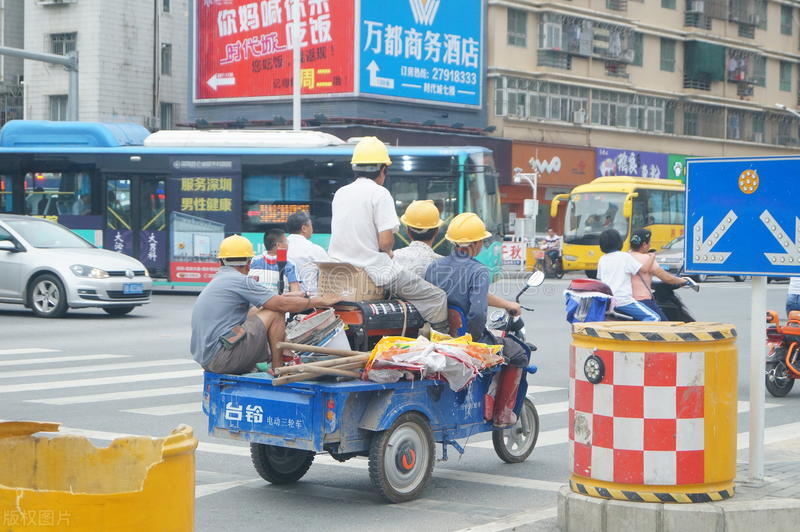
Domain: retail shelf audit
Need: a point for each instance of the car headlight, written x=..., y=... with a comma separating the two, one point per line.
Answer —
x=81, y=270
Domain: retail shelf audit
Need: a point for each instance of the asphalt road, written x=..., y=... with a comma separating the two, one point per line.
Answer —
x=133, y=375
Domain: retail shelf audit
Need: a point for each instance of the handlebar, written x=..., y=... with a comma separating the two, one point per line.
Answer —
x=524, y=289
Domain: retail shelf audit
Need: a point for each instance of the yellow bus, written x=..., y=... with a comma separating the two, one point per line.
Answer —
x=621, y=203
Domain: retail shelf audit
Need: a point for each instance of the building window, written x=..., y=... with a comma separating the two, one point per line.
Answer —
x=517, y=27
x=165, y=6
x=638, y=49
x=786, y=76
x=668, y=4
x=689, y=123
x=760, y=71
x=631, y=111
x=761, y=13
x=166, y=59
x=58, y=107
x=167, y=121
x=63, y=43
x=786, y=19
x=667, y=55
x=540, y=100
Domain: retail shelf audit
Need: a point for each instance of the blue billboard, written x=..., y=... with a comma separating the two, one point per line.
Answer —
x=422, y=50
x=742, y=216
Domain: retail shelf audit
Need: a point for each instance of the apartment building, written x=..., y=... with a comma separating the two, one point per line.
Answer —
x=640, y=83
x=11, y=34
x=132, y=55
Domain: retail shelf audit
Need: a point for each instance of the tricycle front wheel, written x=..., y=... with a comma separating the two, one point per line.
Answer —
x=515, y=444
x=401, y=458
x=280, y=465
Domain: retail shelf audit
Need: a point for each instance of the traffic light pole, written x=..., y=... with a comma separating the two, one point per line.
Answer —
x=69, y=62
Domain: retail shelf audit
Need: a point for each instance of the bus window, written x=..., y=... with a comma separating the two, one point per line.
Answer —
x=270, y=199
x=481, y=197
x=6, y=199
x=57, y=193
x=658, y=207
x=589, y=214
x=118, y=203
x=444, y=193
x=153, y=204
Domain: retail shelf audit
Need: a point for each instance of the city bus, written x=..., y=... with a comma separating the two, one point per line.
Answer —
x=170, y=197
x=621, y=203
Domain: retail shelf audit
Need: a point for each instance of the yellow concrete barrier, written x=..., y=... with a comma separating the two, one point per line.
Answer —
x=652, y=411
x=66, y=483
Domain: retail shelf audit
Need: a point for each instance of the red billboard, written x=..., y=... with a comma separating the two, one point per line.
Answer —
x=244, y=48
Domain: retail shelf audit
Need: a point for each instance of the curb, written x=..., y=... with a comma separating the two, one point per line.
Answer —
x=579, y=513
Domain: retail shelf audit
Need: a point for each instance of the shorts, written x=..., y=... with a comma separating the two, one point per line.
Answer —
x=242, y=357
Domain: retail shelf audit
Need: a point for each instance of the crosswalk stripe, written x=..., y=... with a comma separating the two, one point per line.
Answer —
x=26, y=351
x=543, y=389
x=94, y=368
x=168, y=410
x=552, y=408
x=116, y=396
x=775, y=434
x=118, y=379
x=76, y=358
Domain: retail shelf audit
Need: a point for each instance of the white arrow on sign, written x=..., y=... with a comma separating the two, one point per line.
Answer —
x=375, y=80
x=702, y=253
x=221, y=80
x=790, y=245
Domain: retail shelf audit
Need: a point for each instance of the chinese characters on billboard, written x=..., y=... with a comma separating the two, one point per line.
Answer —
x=611, y=162
x=244, y=47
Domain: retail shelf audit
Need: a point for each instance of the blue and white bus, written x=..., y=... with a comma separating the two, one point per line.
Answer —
x=168, y=198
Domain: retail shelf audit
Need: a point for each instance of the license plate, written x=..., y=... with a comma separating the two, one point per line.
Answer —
x=132, y=288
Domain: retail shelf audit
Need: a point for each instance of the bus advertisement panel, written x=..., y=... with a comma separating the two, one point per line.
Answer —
x=243, y=48
x=204, y=201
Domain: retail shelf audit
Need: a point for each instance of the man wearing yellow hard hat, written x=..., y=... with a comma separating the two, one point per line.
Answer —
x=363, y=224
x=422, y=225
x=236, y=322
x=466, y=282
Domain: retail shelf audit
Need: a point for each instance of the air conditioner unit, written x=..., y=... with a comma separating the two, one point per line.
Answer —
x=579, y=116
x=628, y=56
x=755, y=20
x=552, y=36
x=697, y=6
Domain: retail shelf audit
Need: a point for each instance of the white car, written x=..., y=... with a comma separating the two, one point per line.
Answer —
x=49, y=269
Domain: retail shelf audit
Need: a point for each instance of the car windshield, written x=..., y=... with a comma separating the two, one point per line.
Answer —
x=675, y=244
x=591, y=213
x=42, y=234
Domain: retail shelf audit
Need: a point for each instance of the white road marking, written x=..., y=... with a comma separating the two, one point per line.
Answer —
x=201, y=490
x=552, y=408
x=543, y=389
x=775, y=434
x=95, y=368
x=116, y=396
x=168, y=410
x=512, y=521
x=119, y=379
x=32, y=361
x=26, y=351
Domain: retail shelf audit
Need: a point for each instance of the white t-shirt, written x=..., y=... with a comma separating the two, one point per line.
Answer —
x=361, y=210
x=304, y=253
x=616, y=269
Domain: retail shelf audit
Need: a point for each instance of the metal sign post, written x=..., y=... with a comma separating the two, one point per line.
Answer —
x=750, y=228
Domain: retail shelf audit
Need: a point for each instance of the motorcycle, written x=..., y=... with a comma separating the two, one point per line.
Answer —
x=549, y=266
x=590, y=300
x=783, y=353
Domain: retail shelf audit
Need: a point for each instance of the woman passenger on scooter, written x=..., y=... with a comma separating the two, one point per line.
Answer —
x=616, y=269
x=643, y=280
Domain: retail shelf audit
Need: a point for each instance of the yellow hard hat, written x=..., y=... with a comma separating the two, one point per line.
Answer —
x=235, y=247
x=371, y=151
x=465, y=228
x=422, y=214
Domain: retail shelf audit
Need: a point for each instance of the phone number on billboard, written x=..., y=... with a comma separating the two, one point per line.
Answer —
x=456, y=76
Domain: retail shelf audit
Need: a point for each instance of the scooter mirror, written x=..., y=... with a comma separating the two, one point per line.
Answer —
x=536, y=279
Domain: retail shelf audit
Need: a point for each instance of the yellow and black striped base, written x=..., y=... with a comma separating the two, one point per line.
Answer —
x=649, y=496
x=658, y=332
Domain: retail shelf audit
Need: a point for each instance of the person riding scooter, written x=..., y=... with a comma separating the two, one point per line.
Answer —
x=466, y=283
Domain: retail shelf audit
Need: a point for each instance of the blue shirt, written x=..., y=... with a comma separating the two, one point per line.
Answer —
x=466, y=283
x=222, y=305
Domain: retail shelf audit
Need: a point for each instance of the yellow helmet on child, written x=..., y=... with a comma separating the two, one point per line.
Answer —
x=370, y=151
x=422, y=214
x=235, y=247
x=465, y=228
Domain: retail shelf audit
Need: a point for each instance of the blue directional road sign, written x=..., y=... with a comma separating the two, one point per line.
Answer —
x=742, y=216
x=430, y=50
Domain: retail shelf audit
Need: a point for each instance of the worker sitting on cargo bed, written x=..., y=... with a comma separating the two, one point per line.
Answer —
x=264, y=269
x=466, y=282
x=422, y=225
x=363, y=224
x=228, y=335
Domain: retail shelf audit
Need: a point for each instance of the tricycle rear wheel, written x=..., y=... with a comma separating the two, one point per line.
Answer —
x=401, y=458
x=515, y=444
x=280, y=465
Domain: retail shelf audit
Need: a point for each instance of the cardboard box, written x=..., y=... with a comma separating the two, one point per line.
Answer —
x=350, y=282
